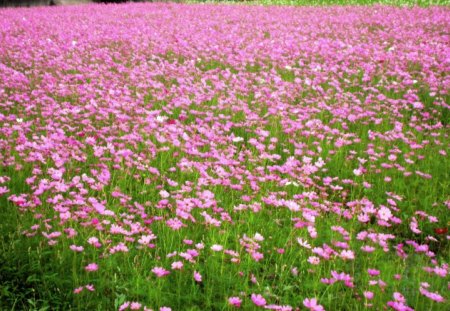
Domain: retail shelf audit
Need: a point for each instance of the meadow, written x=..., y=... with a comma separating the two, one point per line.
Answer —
x=220, y=157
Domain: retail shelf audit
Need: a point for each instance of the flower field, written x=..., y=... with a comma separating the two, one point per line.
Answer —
x=217, y=157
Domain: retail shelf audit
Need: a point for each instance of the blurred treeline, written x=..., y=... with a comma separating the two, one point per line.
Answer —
x=29, y=3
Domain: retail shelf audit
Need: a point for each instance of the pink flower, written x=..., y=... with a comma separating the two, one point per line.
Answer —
x=373, y=272
x=433, y=296
x=217, y=248
x=124, y=306
x=368, y=295
x=175, y=223
x=358, y=172
x=257, y=256
x=93, y=240
x=278, y=308
x=399, y=297
x=3, y=190
x=91, y=267
x=146, y=239
x=384, y=213
x=76, y=248
x=367, y=248
x=347, y=255
x=177, y=265
x=235, y=301
x=258, y=300
x=135, y=306
x=197, y=276
x=258, y=237
x=164, y=194
x=314, y=260
x=312, y=304
x=399, y=306
x=160, y=272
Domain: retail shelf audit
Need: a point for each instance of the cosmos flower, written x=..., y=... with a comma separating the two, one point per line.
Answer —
x=197, y=277
x=235, y=301
x=258, y=300
x=312, y=305
x=91, y=267
x=160, y=272
x=216, y=247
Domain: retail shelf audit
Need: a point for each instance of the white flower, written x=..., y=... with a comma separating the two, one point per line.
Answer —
x=258, y=237
x=357, y=172
x=217, y=248
x=292, y=206
x=306, y=160
x=145, y=239
x=164, y=194
x=418, y=105
x=237, y=139
x=161, y=119
x=314, y=260
x=303, y=243
x=177, y=265
x=347, y=254
x=19, y=120
x=319, y=163
x=384, y=213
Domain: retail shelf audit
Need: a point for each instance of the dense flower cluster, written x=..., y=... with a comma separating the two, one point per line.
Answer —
x=279, y=144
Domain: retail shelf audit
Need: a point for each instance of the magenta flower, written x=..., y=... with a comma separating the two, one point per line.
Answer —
x=135, y=306
x=160, y=272
x=197, y=277
x=369, y=295
x=431, y=295
x=216, y=247
x=314, y=260
x=76, y=248
x=258, y=300
x=177, y=265
x=384, y=213
x=235, y=301
x=311, y=304
x=124, y=306
x=373, y=272
x=91, y=267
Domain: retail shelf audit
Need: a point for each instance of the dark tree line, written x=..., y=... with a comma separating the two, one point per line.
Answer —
x=4, y=3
